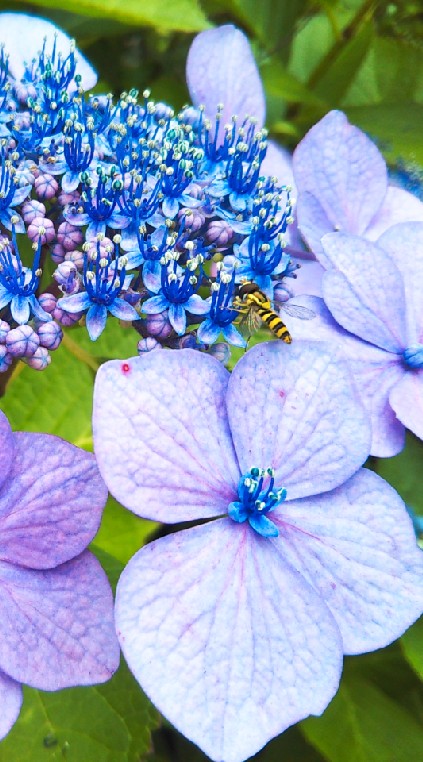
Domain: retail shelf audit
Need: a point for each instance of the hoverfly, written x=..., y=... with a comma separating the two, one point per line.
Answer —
x=255, y=308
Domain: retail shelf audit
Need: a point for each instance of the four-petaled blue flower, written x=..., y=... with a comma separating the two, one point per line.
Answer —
x=18, y=284
x=104, y=278
x=176, y=292
x=222, y=314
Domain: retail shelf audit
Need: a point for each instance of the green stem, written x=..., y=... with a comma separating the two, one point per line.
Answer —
x=80, y=353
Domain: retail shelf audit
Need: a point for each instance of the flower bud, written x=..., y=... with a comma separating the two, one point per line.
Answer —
x=5, y=358
x=50, y=335
x=159, y=325
x=46, y=186
x=41, y=228
x=48, y=302
x=4, y=330
x=220, y=234
x=40, y=359
x=22, y=341
x=32, y=209
x=148, y=345
x=69, y=236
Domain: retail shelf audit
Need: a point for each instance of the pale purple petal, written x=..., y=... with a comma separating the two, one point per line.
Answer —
x=23, y=37
x=10, y=702
x=123, y=310
x=51, y=505
x=313, y=224
x=398, y=206
x=344, y=170
x=374, y=370
x=278, y=163
x=221, y=69
x=406, y=398
x=161, y=435
x=294, y=408
x=404, y=244
x=262, y=649
x=7, y=448
x=364, y=291
x=308, y=280
x=75, y=303
x=357, y=547
x=56, y=626
x=96, y=320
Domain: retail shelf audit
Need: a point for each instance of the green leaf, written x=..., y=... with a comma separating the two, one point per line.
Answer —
x=279, y=82
x=273, y=23
x=391, y=72
x=122, y=533
x=397, y=126
x=338, y=76
x=166, y=15
x=57, y=400
x=102, y=723
x=412, y=646
x=363, y=725
x=404, y=471
x=310, y=45
x=118, y=340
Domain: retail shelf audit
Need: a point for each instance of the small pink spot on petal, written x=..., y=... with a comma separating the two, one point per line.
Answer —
x=125, y=367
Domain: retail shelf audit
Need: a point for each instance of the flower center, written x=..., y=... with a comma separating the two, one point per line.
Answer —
x=255, y=502
x=413, y=356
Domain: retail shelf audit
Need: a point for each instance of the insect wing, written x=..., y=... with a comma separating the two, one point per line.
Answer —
x=250, y=322
x=296, y=310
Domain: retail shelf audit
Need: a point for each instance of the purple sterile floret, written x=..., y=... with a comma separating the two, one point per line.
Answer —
x=306, y=556
x=373, y=309
x=342, y=185
x=56, y=606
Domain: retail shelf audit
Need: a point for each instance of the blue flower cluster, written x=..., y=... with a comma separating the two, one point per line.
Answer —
x=150, y=216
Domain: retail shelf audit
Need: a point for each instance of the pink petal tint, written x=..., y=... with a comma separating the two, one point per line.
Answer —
x=236, y=636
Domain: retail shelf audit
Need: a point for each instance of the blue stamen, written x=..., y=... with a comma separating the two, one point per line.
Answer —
x=255, y=502
x=413, y=356
x=103, y=278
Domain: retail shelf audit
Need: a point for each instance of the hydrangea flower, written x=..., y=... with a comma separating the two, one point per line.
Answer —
x=176, y=293
x=236, y=627
x=342, y=185
x=56, y=606
x=373, y=309
x=221, y=314
x=19, y=284
x=104, y=279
